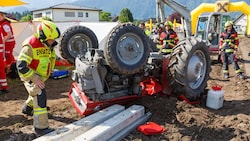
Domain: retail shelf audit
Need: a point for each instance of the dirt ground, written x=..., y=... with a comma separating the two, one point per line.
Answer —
x=181, y=120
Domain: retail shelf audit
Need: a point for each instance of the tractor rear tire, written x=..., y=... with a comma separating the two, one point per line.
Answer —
x=75, y=41
x=190, y=67
x=127, y=49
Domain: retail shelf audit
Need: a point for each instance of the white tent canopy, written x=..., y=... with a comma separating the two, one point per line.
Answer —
x=23, y=30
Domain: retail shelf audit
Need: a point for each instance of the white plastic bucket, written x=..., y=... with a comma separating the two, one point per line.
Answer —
x=215, y=97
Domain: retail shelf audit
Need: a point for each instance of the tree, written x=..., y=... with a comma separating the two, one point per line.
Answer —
x=26, y=18
x=175, y=16
x=47, y=18
x=105, y=16
x=126, y=16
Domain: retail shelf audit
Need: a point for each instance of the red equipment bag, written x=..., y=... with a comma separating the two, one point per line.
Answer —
x=150, y=86
x=151, y=128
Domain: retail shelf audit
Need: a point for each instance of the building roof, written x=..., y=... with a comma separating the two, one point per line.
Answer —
x=68, y=6
x=242, y=16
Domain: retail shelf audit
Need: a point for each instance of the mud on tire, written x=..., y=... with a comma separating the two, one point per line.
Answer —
x=75, y=41
x=127, y=49
x=190, y=67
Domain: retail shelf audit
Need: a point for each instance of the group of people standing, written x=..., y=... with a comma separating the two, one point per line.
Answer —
x=166, y=38
x=163, y=35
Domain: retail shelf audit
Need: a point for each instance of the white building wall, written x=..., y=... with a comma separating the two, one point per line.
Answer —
x=241, y=25
x=58, y=15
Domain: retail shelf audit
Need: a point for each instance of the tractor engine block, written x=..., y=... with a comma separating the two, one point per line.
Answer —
x=99, y=82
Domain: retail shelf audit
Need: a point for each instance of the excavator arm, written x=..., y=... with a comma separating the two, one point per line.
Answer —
x=178, y=8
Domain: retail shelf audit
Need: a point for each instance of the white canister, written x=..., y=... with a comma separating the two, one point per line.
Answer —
x=215, y=97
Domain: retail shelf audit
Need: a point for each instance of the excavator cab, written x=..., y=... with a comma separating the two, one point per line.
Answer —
x=209, y=28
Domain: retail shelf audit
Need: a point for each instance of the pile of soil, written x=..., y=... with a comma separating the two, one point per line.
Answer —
x=181, y=120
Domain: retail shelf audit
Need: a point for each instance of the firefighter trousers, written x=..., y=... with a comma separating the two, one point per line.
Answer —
x=227, y=58
x=38, y=100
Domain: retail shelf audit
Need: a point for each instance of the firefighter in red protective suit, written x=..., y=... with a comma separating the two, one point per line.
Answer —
x=169, y=38
x=229, y=43
x=3, y=80
x=9, y=39
x=35, y=64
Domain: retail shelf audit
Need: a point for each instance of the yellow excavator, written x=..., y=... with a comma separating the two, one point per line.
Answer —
x=205, y=21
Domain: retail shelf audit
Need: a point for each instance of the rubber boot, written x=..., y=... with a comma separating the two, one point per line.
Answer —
x=41, y=132
x=4, y=91
x=240, y=75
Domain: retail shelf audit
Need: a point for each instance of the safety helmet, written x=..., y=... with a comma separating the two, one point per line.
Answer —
x=48, y=30
x=228, y=23
x=169, y=23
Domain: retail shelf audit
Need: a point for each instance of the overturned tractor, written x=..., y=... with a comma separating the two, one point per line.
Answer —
x=127, y=68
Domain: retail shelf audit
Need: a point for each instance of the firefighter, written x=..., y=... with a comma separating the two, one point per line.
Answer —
x=3, y=80
x=169, y=38
x=34, y=64
x=229, y=43
x=9, y=39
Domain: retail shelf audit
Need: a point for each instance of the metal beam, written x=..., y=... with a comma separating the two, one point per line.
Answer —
x=186, y=13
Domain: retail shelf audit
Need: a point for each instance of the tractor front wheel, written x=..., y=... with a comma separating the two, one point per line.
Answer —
x=75, y=41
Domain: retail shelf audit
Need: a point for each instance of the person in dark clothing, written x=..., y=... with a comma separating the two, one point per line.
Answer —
x=229, y=43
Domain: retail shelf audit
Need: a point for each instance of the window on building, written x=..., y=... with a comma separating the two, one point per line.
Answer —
x=80, y=14
x=69, y=14
x=48, y=13
x=38, y=15
x=86, y=14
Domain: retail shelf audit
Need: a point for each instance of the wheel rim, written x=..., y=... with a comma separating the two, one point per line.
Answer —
x=129, y=48
x=78, y=44
x=196, y=69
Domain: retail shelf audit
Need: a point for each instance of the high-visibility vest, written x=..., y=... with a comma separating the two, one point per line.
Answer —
x=147, y=32
x=43, y=60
